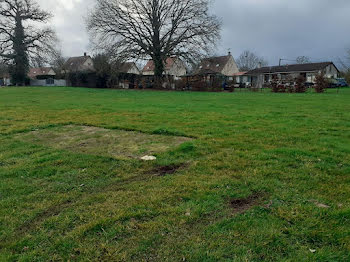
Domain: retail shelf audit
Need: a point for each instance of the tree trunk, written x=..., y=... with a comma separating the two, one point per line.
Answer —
x=21, y=64
x=158, y=70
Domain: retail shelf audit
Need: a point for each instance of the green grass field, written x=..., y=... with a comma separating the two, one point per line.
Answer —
x=238, y=177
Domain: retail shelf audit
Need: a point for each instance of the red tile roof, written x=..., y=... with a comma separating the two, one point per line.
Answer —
x=149, y=67
x=40, y=71
x=239, y=74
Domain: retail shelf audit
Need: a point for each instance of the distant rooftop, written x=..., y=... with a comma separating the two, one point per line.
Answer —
x=310, y=67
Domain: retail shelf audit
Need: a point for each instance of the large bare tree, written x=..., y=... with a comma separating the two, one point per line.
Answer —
x=22, y=39
x=156, y=29
x=303, y=60
x=248, y=60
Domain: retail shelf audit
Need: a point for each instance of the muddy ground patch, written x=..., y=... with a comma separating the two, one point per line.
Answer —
x=241, y=205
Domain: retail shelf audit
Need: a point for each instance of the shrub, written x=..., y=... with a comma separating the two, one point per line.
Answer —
x=281, y=88
x=347, y=76
x=180, y=84
x=291, y=88
x=321, y=83
x=274, y=86
x=200, y=85
x=300, y=86
x=216, y=85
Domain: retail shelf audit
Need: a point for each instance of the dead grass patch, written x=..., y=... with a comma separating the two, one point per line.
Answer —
x=103, y=142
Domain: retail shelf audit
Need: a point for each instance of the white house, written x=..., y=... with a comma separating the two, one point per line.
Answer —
x=5, y=79
x=129, y=68
x=44, y=76
x=79, y=64
x=309, y=71
x=220, y=65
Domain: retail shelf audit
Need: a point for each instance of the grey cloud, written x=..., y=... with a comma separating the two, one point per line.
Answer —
x=271, y=28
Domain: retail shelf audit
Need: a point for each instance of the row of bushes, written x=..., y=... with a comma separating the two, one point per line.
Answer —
x=299, y=85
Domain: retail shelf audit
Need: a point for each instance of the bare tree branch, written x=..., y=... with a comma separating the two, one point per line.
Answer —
x=156, y=29
x=21, y=42
x=249, y=61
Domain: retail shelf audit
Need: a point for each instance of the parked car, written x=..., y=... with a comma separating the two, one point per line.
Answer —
x=342, y=82
x=309, y=84
x=337, y=82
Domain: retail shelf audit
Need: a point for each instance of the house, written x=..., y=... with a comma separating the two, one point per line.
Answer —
x=79, y=64
x=129, y=68
x=5, y=79
x=220, y=65
x=129, y=75
x=173, y=66
x=44, y=76
x=241, y=78
x=309, y=71
x=80, y=71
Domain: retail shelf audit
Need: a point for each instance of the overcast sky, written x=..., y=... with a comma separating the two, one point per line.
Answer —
x=272, y=28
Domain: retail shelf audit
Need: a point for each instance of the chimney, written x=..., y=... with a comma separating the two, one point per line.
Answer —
x=85, y=54
x=229, y=53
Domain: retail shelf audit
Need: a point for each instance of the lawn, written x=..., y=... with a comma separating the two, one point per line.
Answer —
x=238, y=177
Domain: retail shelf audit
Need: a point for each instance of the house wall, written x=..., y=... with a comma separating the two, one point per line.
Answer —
x=5, y=81
x=134, y=70
x=51, y=73
x=243, y=79
x=331, y=71
x=148, y=73
x=88, y=65
x=230, y=68
x=177, y=70
x=42, y=82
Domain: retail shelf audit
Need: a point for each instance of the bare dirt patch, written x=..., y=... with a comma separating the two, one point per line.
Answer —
x=241, y=205
x=103, y=142
x=168, y=170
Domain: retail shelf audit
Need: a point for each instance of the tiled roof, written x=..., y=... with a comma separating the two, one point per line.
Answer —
x=239, y=74
x=311, y=67
x=149, y=67
x=75, y=64
x=40, y=71
x=213, y=64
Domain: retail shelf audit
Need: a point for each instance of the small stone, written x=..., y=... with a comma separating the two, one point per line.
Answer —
x=148, y=158
x=322, y=205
